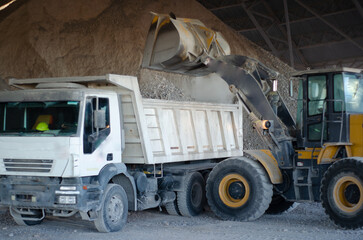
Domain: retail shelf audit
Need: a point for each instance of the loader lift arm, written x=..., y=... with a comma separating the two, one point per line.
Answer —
x=252, y=85
x=187, y=46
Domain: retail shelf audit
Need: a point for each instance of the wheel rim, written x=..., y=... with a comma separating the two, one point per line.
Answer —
x=115, y=209
x=196, y=194
x=234, y=190
x=348, y=194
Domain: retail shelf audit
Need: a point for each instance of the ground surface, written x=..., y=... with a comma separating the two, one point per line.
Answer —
x=305, y=222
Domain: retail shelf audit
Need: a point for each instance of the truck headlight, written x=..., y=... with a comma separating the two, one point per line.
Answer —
x=68, y=188
x=67, y=199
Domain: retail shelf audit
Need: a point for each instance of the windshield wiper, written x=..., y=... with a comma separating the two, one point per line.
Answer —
x=50, y=133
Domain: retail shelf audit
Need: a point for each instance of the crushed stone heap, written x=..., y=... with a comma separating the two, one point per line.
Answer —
x=51, y=38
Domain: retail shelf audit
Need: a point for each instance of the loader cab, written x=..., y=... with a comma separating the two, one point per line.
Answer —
x=326, y=100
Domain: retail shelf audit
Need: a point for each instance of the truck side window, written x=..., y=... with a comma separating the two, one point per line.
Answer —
x=92, y=136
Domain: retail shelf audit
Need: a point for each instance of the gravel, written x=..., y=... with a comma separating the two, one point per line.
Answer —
x=158, y=87
x=305, y=222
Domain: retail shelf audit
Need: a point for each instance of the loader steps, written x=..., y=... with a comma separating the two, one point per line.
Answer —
x=303, y=186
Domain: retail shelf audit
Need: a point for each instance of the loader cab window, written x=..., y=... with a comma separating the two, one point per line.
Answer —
x=96, y=123
x=339, y=105
x=316, y=94
x=353, y=85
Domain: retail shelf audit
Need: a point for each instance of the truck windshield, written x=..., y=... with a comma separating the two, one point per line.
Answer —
x=51, y=118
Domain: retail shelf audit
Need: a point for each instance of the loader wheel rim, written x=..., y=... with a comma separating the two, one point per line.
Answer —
x=234, y=190
x=348, y=194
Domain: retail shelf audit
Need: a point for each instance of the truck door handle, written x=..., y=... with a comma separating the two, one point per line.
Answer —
x=109, y=157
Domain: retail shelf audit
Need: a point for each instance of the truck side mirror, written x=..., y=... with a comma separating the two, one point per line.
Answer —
x=99, y=118
x=291, y=90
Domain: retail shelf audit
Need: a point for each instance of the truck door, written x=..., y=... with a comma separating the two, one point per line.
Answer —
x=96, y=132
x=101, y=133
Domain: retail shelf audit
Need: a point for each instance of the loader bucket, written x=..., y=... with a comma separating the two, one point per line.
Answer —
x=180, y=45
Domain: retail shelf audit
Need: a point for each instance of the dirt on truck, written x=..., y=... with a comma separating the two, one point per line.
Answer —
x=94, y=146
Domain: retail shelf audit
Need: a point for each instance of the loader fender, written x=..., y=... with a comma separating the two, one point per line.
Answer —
x=268, y=161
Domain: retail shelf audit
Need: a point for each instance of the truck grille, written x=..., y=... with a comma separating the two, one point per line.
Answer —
x=28, y=165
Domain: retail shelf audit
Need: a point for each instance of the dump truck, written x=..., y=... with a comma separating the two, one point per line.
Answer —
x=317, y=157
x=94, y=146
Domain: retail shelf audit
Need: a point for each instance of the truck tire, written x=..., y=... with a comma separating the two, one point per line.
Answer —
x=18, y=218
x=192, y=199
x=278, y=205
x=239, y=190
x=342, y=193
x=172, y=208
x=112, y=216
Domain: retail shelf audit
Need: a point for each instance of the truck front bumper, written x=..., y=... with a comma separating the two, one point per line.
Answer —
x=63, y=194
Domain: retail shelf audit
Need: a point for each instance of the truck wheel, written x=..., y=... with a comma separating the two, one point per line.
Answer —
x=278, y=205
x=239, y=189
x=191, y=200
x=112, y=216
x=172, y=208
x=342, y=193
x=18, y=218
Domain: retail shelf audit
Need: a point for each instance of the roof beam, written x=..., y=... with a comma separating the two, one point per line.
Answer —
x=291, y=55
x=302, y=19
x=6, y=4
x=358, y=6
x=262, y=15
x=329, y=24
x=232, y=6
x=260, y=29
x=224, y=7
x=283, y=30
x=342, y=61
x=326, y=43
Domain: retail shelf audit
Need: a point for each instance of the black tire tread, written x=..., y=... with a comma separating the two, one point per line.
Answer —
x=172, y=208
x=345, y=165
x=182, y=197
x=279, y=207
x=257, y=170
x=99, y=222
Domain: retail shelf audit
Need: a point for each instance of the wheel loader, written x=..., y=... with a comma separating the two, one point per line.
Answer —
x=315, y=157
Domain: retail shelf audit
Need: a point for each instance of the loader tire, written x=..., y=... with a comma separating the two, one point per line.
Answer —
x=239, y=189
x=278, y=205
x=192, y=199
x=112, y=216
x=342, y=193
x=172, y=208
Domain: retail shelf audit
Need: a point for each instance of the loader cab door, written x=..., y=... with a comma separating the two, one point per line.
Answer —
x=321, y=110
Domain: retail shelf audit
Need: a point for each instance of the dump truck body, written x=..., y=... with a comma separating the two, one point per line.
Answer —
x=100, y=131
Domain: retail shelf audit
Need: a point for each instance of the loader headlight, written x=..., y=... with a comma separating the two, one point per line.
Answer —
x=67, y=199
